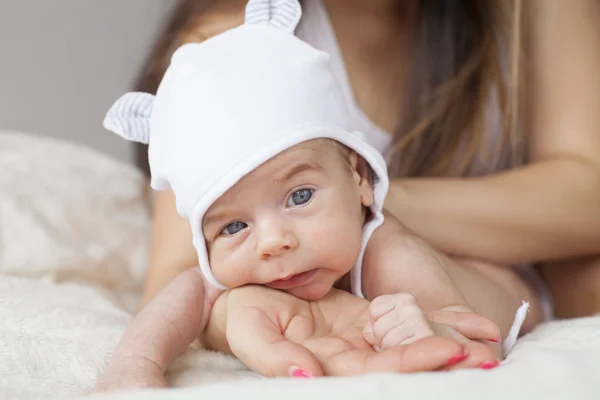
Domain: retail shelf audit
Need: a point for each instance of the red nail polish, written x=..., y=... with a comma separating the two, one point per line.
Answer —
x=456, y=359
x=495, y=340
x=300, y=373
x=489, y=364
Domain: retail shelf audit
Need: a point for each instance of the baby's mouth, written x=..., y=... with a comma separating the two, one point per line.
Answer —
x=293, y=281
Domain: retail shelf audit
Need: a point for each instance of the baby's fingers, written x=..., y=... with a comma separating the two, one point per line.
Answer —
x=369, y=335
x=401, y=327
x=381, y=305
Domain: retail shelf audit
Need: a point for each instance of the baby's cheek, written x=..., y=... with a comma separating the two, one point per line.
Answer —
x=339, y=240
x=227, y=268
x=321, y=235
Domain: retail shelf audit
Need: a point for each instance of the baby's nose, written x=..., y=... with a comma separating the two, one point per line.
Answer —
x=275, y=241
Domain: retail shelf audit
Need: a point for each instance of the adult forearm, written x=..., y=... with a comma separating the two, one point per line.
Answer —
x=545, y=211
x=214, y=336
x=165, y=327
x=171, y=249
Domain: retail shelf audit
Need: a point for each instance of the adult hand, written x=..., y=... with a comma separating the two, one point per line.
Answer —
x=277, y=334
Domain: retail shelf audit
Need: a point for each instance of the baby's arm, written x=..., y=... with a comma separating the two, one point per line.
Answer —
x=396, y=261
x=159, y=333
x=412, y=293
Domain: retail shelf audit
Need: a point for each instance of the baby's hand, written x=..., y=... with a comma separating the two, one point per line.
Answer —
x=396, y=319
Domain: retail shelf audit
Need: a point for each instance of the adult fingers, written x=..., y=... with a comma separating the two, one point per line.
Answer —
x=257, y=341
x=468, y=324
x=427, y=354
x=480, y=355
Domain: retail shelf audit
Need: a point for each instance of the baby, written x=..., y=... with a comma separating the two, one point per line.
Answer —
x=250, y=132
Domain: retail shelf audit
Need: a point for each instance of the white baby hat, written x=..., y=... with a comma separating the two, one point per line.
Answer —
x=232, y=102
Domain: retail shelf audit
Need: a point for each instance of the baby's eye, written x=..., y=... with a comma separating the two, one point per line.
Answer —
x=300, y=197
x=234, y=228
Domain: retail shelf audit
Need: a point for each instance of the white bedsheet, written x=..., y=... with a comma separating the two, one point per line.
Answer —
x=73, y=231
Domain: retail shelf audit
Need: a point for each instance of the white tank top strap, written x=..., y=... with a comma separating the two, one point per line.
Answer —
x=316, y=29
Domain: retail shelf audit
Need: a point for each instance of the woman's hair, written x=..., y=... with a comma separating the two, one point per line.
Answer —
x=462, y=94
x=462, y=99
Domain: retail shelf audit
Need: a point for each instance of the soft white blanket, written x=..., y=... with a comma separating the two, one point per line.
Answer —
x=73, y=231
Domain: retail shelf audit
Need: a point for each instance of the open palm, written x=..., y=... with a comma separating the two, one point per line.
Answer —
x=275, y=333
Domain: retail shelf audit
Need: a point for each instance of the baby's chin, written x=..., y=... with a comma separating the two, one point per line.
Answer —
x=311, y=292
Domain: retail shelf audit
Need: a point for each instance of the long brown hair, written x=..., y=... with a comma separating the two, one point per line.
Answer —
x=464, y=74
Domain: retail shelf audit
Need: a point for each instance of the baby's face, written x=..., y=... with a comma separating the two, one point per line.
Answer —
x=294, y=224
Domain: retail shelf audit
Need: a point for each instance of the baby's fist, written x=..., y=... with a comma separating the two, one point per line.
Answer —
x=396, y=319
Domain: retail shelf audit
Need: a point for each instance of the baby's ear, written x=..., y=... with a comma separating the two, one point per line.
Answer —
x=361, y=174
x=129, y=117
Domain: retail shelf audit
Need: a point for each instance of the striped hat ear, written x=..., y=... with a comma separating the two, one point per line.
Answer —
x=282, y=14
x=129, y=117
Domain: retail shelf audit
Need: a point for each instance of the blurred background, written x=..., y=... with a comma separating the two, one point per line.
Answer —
x=63, y=63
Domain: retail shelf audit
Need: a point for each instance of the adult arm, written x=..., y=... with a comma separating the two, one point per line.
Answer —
x=158, y=334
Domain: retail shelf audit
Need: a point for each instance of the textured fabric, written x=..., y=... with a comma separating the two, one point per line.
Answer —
x=130, y=116
x=227, y=105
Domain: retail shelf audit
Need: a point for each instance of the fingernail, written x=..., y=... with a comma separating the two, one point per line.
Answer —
x=498, y=340
x=489, y=364
x=456, y=359
x=300, y=373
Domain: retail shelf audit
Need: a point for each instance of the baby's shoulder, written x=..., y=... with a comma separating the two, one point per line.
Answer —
x=390, y=246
